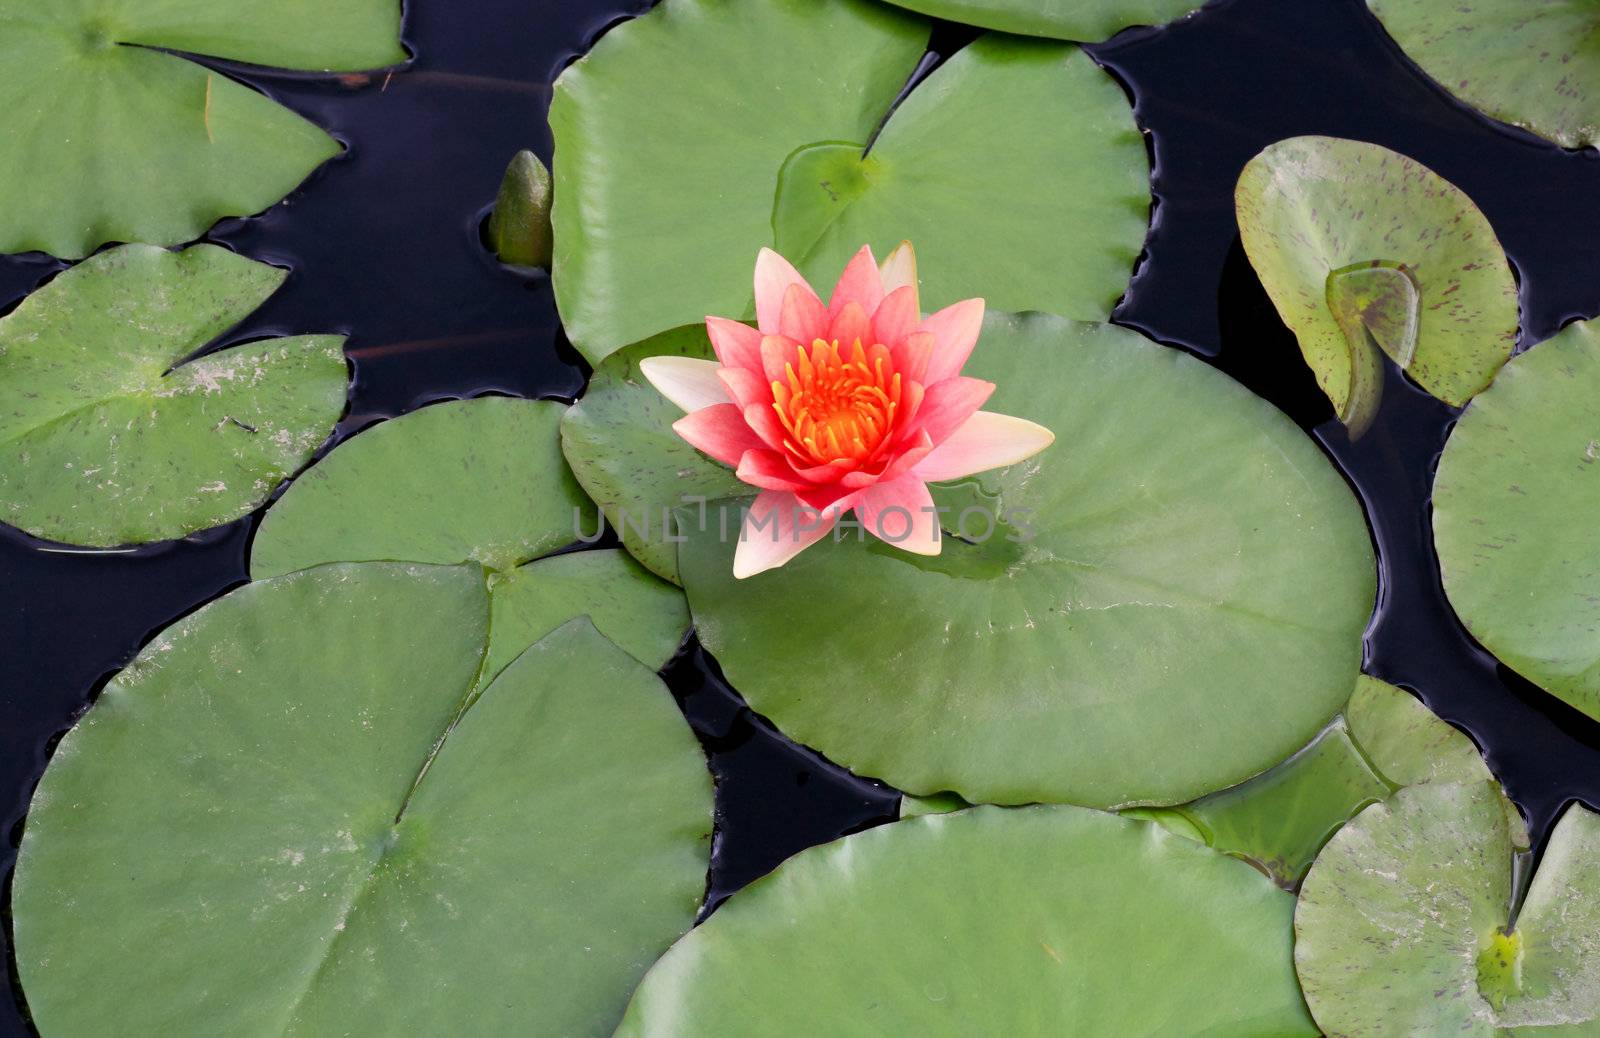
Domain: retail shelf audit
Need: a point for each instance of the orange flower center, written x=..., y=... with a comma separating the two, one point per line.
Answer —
x=837, y=406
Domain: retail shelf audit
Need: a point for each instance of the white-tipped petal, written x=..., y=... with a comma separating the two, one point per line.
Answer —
x=689, y=382
x=985, y=441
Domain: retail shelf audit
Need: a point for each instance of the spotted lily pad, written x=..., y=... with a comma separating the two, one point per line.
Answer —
x=111, y=434
x=112, y=136
x=1519, y=473
x=620, y=444
x=1404, y=923
x=1363, y=251
x=474, y=481
x=256, y=828
x=1039, y=920
x=1525, y=63
x=1384, y=740
x=1126, y=631
x=665, y=191
x=1086, y=20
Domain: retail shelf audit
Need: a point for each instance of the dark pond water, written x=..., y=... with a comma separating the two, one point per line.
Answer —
x=383, y=246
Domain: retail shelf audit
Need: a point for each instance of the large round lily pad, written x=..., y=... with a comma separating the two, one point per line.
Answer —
x=1169, y=605
x=1520, y=473
x=467, y=480
x=1532, y=64
x=254, y=828
x=110, y=435
x=619, y=441
x=1365, y=250
x=666, y=191
x=1040, y=920
x=112, y=137
x=1402, y=925
x=1086, y=20
x=474, y=481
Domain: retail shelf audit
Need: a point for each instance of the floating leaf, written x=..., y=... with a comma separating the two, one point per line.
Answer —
x=1088, y=20
x=620, y=444
x=474, y=481
x=1529, y=64
x=519, y=227
x=1384, y=740
x=1403, y=924
x=643, y=616
x=251, y=830
x=1518, y=473
x=1126, y=631
x=1363, y=249
x=464, y=481
x=111, y=136
x=1039, y=920
x=110, y=434
x=666, y=191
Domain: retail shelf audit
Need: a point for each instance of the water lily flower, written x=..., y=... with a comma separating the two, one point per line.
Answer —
x=853, y=405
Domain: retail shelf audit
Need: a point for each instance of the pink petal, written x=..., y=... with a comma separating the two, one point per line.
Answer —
x=777, y=351
x=746, y=387
x=946, y=405
x=955, y=330
x=763, y=422
x=803, y=318
x=985, y=441
x=860, y=284
x=737, y=345
x=899, y=270
x=901, y=513
x=912, y=354
x=774, y=275
x=776, y=529
x=851, y=325
x=720, y=431
x=896, y=317
x=769, y=470
x=686, y=381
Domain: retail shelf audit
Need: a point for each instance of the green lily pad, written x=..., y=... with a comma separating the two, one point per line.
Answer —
x=619, y=441
x=463, y=481
x=1529, y=64
x=255, y=827
x=645, y=617
x=110, y=434
x=474, y=481
x=112, y=137
x=1403, y=925
x=1363, y=249
x=1518, y=567
x=665, y=192
x=1038, y=920
x=1125, y=635
x=1384, y=740
x=1087, y=20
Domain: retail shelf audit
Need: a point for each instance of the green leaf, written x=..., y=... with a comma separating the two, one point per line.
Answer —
x=111, y=138
x=1039, y=920
x=468, y=480
x=620, y=444
x=1363, y=249
x=254, y=829
x=1178, y=559
x=1518, y=468
x=519, y=227
x=666, y=191
x=1088, y=20
x=110, y=434
x=1529, y=64
x=644, y=616
x=1037, y=124
x=1384, y=740
x=1403, y=925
